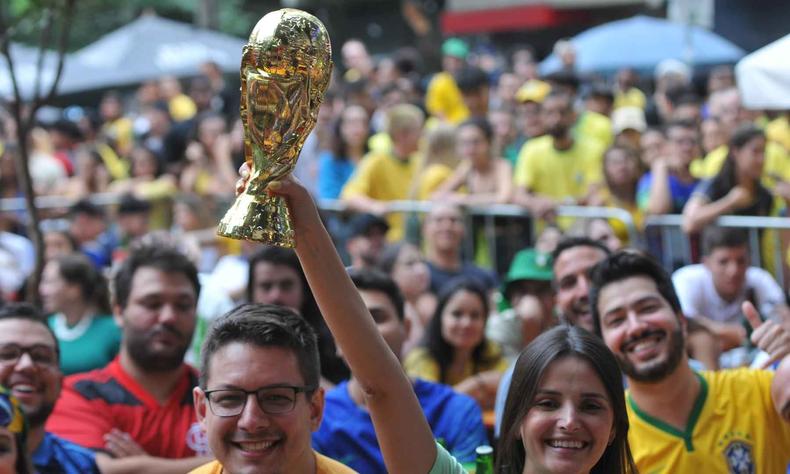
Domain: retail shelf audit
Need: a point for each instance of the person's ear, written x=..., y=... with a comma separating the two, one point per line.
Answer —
x=117, y=315
x=316, y=408
x=199, y=399
x=406, y=326
x=612, y=435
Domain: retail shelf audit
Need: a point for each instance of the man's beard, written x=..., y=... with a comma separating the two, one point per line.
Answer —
x=38, y=417
x=658, y=371
x=137, y=344
x=557, y=131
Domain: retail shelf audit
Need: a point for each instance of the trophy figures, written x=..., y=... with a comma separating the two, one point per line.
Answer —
x=285, y=70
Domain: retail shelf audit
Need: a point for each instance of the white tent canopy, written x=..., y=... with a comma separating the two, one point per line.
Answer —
x=764, y=77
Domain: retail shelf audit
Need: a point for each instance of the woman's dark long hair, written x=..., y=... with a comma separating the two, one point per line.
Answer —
x=77, y=269
x=434, y=342
x=339, y=145
x=552, y=345
x=727, y=177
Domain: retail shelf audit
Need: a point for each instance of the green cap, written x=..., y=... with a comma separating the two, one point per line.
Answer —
x=455, y=47
x=529, y=264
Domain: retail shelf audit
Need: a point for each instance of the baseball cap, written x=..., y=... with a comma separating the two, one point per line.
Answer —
x=361, y=224
x=455, y=47
x=529, y=264
x=533, y=91
x=626, y=118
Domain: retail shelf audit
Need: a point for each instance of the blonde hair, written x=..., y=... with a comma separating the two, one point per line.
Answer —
x=404, y=117
x=438, y=148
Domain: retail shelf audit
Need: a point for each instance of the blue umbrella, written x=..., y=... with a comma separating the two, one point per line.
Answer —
x=641, y=43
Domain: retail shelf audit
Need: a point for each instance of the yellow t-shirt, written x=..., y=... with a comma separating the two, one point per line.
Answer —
x=559, y=174
x=383, y=177
x=444, y=99
x=430, y=179
x=778, y=130
x=420, y=363
x=732, y=428
x=595, y=126
x=633, y=97
x=323, y=465
x=777, y=163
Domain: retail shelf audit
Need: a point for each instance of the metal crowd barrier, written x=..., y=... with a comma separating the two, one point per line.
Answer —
x=676, y=245
x=486, y=214
x=490, y=212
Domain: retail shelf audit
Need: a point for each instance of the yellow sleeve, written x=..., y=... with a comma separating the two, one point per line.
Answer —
x=214, y=467
x=594, y=153
x=359, y=184
x=419, y=363
x=777, y=163
x=525, y=173
x=431, y=179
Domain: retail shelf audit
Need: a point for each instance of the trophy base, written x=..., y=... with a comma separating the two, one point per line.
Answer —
x=258, y=218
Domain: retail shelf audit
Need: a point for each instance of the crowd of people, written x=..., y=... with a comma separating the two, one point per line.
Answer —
x=383, y=343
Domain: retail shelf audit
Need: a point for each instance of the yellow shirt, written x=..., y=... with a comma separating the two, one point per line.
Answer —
x=430, y=179
x=732, y=428
x=323, y=465
x=181, y=108
x=443, y=99
x=595, y=126
x=778, y=130
x=383, y=177
x=559, y=174
x=633, y=97
x=777, y=162
x=420, y=363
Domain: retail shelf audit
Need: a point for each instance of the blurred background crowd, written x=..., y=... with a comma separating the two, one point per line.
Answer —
x=475, y=168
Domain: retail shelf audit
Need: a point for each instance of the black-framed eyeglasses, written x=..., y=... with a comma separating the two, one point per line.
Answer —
x=41, y=354
x=272, y=400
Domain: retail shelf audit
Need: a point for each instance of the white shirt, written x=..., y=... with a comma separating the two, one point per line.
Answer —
x=698, y=296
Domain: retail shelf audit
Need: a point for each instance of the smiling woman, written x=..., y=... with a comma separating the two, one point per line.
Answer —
x=565, y=410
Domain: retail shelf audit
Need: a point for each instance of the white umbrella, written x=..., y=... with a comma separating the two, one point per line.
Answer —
x=764, y=77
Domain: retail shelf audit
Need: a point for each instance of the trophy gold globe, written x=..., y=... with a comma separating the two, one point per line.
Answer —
x=285, y=70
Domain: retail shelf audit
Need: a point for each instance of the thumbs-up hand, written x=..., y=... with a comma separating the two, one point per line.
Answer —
x=767, y=335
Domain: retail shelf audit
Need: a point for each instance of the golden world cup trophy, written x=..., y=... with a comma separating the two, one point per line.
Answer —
x=285, y=70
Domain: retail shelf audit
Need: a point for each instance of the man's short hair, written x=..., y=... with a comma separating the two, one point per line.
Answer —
x=716, y=237
x=264, y=325
x=626, y=264
x=471, y=79
x=87, y=207
x=570, y=242
x=375, y=280
x=164, y=258
x=28, y=312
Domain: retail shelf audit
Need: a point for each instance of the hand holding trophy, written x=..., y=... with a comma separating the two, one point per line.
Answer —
x=285, y=71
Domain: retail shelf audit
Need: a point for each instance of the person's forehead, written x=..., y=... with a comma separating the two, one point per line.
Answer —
x=375, y=299
x=153, y=280
x=445, y=212
x=729, y=252
x=577, y=259
x=269, y=270
x=627, y=291
x=251, y=366
x=24, y=332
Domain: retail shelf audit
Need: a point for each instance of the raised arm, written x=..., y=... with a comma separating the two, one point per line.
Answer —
x=403, y=434
x=700, y=212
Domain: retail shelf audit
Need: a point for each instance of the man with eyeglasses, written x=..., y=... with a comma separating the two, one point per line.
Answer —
x=259, y=398
x=29, y=369
x=138, y=410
